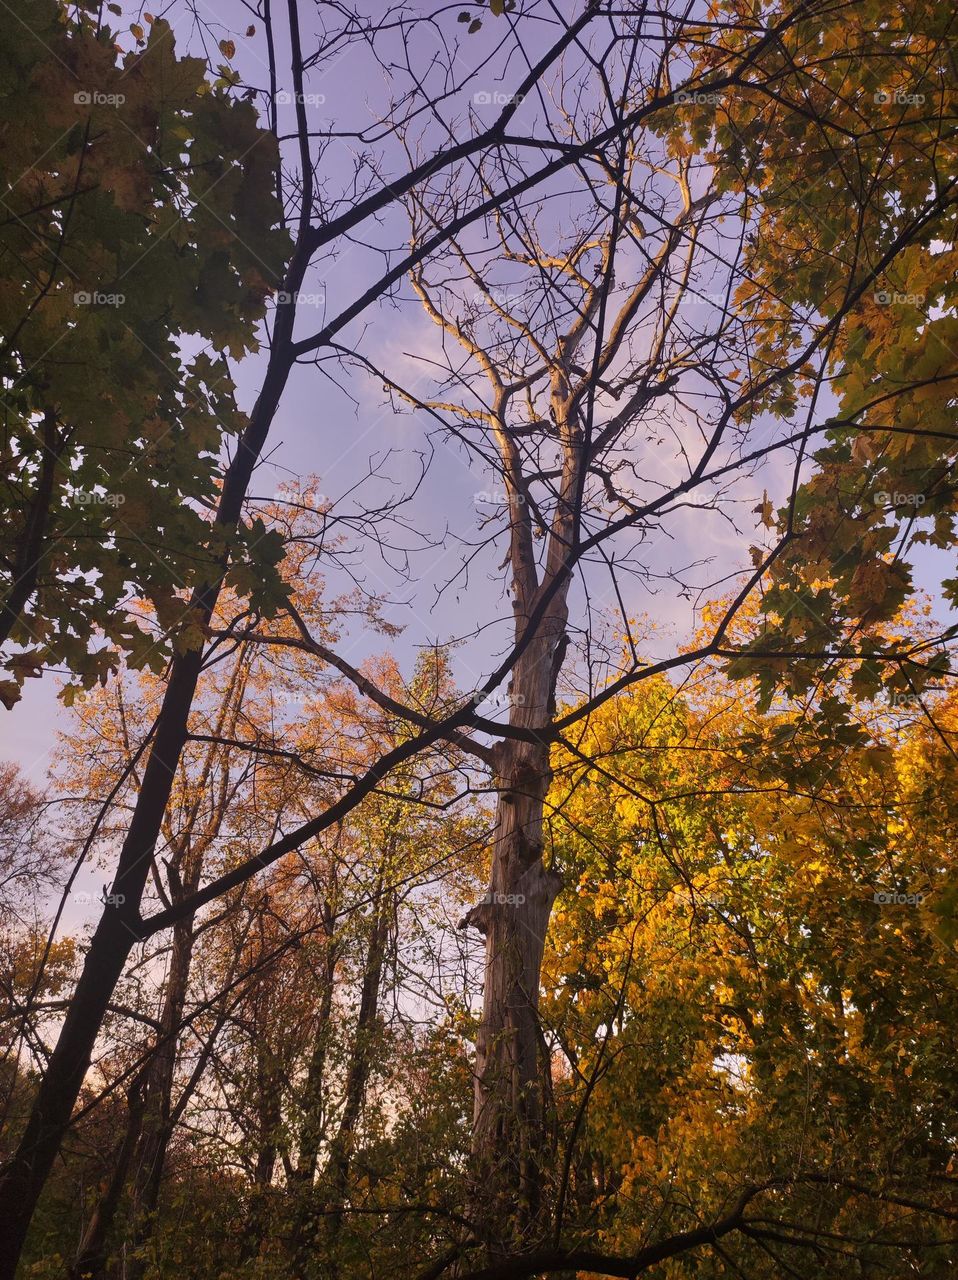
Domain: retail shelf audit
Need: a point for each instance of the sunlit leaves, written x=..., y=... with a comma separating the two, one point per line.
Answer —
x=752, y=959
x=841, y=144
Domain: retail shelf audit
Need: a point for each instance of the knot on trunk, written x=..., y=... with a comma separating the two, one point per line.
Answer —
x=476, y=917
x=535, y=886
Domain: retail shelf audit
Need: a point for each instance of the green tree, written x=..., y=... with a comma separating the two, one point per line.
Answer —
x=138, y=246
x=848, y=180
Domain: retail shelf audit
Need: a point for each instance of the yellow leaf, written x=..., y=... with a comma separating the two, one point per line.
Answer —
x=764, y=509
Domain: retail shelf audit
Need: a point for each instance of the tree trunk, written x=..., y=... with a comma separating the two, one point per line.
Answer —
x=512, y=1080
x=360, y=1065
x=26, y=1172
x=313, y=1122
x=269, y=1118
x=357, y=1079
x=24, y=1176
x=313, y=1103
x=150, y=1155
x=91, y=1255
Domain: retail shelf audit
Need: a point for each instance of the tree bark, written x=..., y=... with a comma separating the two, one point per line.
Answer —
x=313, y=1122
x=26, y=1172
x=360, y=1064
x=269, y=1120
x=91, y=1255
x=150, y=1155
x=512, y=1084
x=513, y=1081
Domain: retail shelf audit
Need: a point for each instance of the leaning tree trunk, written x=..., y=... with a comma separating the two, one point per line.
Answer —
x=25, y=1174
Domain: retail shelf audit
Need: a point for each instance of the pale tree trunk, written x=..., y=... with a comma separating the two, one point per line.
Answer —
x=548, y=457
x=512, y=1073
x=513, y=1080
x=513, y=1083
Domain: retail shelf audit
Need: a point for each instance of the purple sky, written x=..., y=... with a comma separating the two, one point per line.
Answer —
x=337, y=432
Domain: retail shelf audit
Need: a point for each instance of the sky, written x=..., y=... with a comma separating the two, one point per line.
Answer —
x=343, y=427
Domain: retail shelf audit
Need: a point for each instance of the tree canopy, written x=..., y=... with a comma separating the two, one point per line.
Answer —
x=138, y=250
x=482, y=476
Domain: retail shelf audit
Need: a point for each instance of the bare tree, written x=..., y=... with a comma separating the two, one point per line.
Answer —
x=571, y=350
